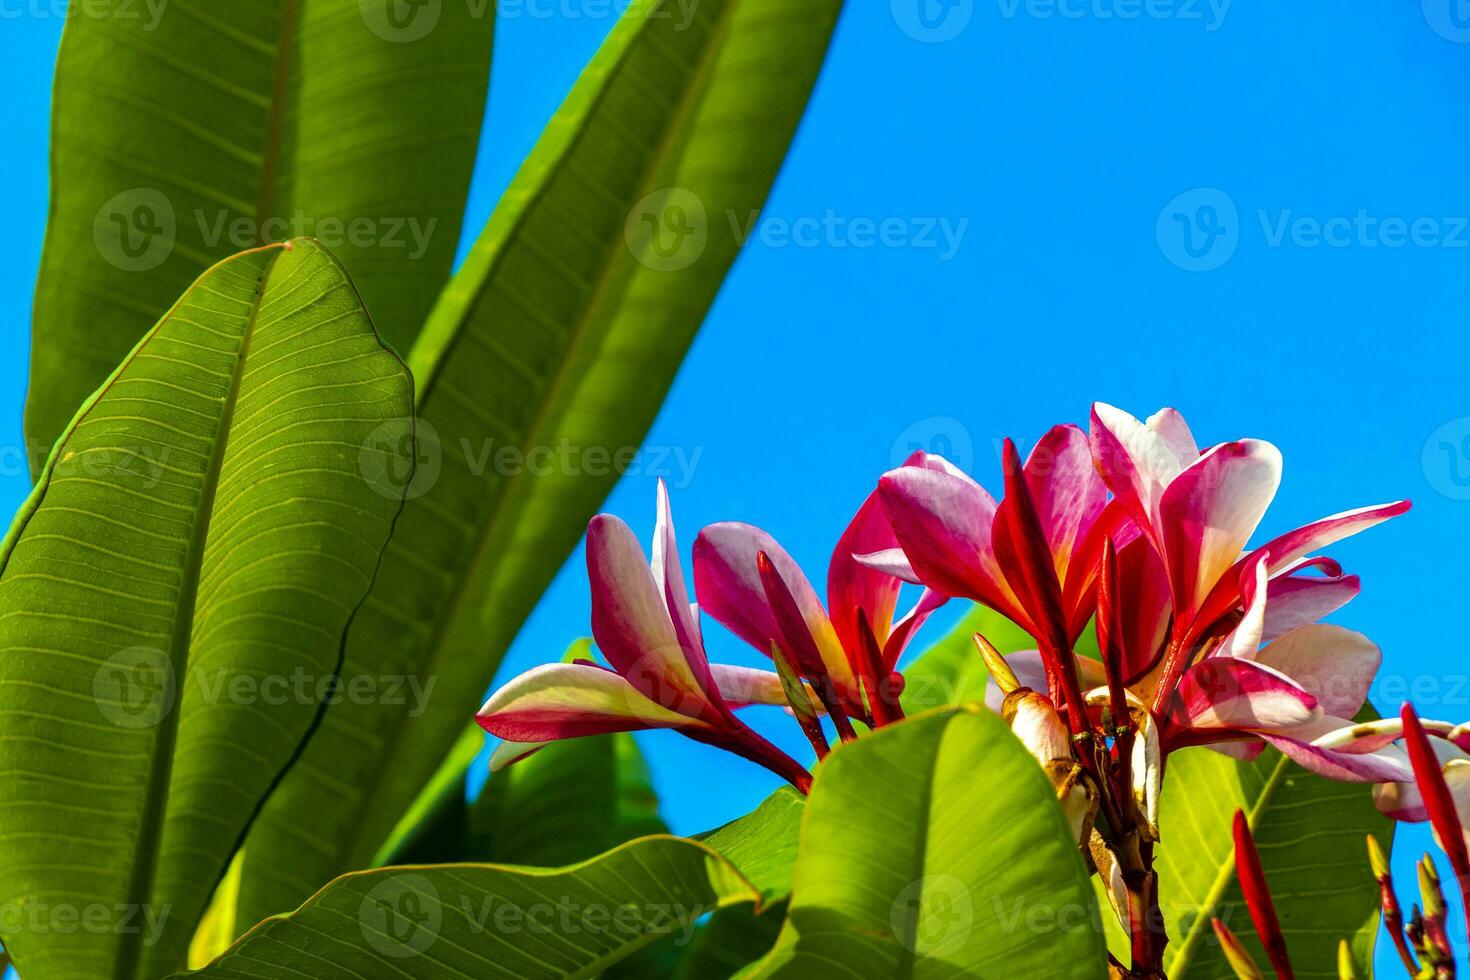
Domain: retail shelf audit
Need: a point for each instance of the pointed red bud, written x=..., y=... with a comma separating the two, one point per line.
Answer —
x=1258, y=898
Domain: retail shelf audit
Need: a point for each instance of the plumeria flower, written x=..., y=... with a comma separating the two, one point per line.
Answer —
x=957, y=540
x=1198, y=510
x=1031, y=557
x=659, y=676
x=850, y=649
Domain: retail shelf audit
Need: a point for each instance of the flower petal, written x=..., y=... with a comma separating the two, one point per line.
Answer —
x=1284, y=551
x=1209, y=513
x=854, y=586
x=1068, y=493
x=943, y=522
x=630, y=620
x=891, y=561
x=668, y=576
x=1223, y=692
x=1135, y=460
x=1302, y=745
x=1336, y=665
x=728, y=582
x=1245, y=640
x=509, y=753
x=557, y=701
x=744, y=686
x=1300, y=600
x=1174, y=432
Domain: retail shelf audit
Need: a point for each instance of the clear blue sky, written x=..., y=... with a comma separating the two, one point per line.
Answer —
x=1314, y=152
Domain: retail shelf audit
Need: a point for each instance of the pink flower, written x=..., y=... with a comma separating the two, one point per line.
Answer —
x=1032, y=557
x=1198, y=510
x=660, y=677
x=748, y=583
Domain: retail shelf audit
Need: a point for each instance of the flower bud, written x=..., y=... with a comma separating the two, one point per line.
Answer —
x=1036, y=723
x=1377, y=860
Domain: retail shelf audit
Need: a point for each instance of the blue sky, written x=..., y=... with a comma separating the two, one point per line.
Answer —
x=1255, y=213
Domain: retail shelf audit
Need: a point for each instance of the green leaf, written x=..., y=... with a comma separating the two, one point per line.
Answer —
x=179, y=132
x=935, y=848
x=174, y=596
x=488, y=921
x=569, y=801
x=1311, y=835
x=763, y=843
x=541, y=368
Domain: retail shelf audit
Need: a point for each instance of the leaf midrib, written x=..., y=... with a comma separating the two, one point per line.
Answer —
x=1226, y=873
x=579, y=333
x=155, y=813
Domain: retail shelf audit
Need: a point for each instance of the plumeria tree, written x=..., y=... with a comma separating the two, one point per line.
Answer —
x=1123, y=553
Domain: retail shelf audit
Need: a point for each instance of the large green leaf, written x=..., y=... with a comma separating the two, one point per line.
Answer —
x=764, y=842
x=181, y=129
x=1310, y=833
x=173, y=599
x=556, y=342
x=935, y=848
x=488, y=921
